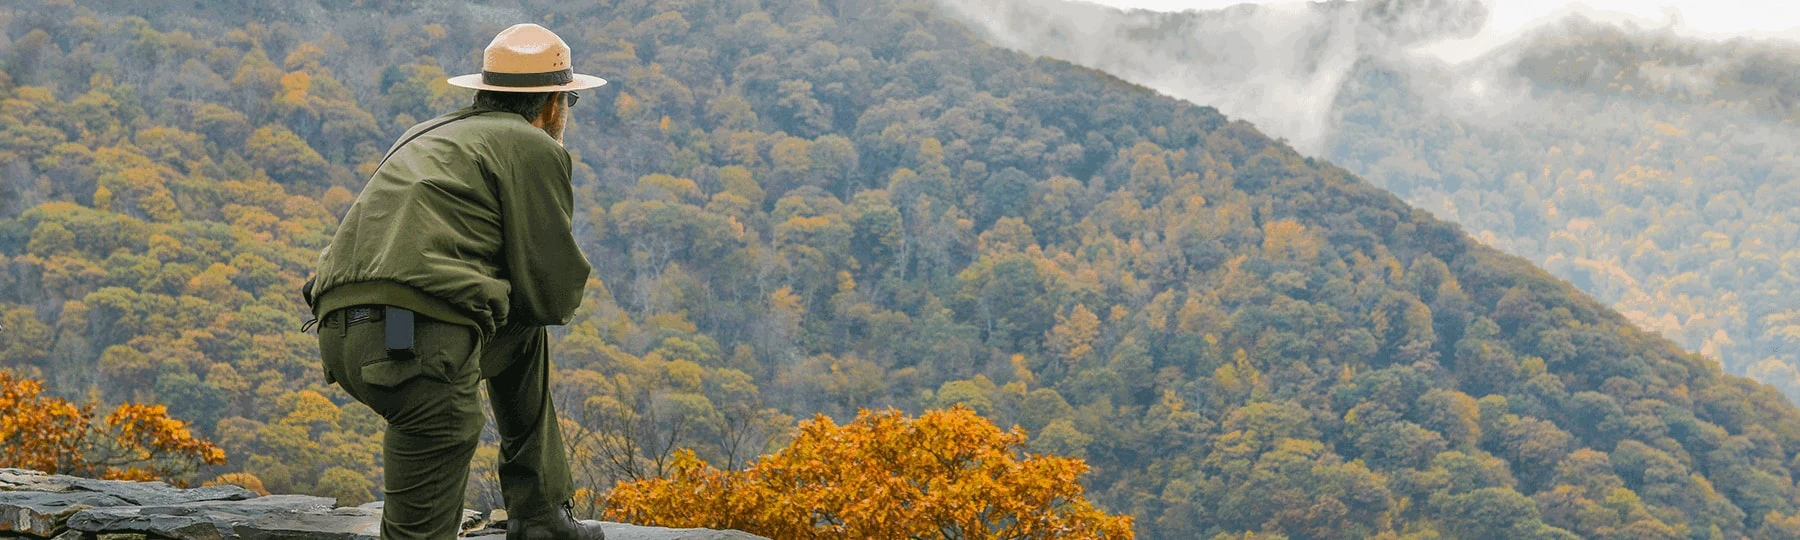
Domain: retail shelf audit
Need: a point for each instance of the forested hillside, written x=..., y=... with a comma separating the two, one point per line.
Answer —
x=797, y=207
x=1655, y=171
x=1658, y=173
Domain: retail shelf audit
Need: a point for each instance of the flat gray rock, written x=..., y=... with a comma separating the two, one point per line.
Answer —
x=27, y=472
x=339, y=524
x=43, y=514
x=258, y=506
x=158, y=493
x=471, y=520
x=131, y=520
x=625, y=531
x=63, y=507
x=29, y=480
x=203, y=520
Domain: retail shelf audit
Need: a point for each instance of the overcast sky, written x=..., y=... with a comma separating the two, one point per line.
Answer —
x=1711, y=18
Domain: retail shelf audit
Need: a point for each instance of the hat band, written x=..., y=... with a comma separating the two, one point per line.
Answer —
x=528, y=80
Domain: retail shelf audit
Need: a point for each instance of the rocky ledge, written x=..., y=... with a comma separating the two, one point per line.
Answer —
x=38, y=505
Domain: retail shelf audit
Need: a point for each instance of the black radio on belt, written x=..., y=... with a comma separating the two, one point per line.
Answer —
x=399, y=333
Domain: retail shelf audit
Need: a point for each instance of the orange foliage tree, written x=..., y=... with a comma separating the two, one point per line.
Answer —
x=134, y=441
x=949, y=473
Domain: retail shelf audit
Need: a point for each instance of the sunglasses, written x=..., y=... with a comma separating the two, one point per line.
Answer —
x=572, y=97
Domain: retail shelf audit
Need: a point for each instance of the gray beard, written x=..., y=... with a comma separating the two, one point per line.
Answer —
x=556, y=131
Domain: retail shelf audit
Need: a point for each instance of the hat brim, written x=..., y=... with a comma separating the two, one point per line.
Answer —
x=581, y=82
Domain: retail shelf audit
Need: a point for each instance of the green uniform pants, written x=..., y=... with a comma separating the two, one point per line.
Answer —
x=434, y=416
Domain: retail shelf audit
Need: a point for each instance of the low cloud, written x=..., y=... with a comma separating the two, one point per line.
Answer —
x=1281, y=66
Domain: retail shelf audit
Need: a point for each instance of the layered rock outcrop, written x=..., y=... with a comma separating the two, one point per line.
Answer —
x=39, y=505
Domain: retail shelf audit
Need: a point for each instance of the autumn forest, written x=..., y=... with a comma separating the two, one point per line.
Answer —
x=1154, y=316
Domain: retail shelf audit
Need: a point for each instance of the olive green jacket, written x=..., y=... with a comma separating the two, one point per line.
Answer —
x=468, y=223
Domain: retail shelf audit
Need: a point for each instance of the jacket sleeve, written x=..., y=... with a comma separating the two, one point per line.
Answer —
x=545, y=267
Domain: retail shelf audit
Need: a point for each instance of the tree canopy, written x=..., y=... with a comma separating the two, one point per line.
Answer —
x=798, y=208
x=948, y=473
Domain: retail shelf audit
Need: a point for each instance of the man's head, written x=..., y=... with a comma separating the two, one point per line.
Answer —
x=527, y=70
x=547, y=110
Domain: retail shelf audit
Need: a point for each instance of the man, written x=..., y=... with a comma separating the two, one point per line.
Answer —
x=444, y=273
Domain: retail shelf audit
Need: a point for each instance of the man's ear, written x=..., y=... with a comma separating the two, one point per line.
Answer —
x=552, y=108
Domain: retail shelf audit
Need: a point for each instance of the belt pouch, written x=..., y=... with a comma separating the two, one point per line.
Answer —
x=385, y=364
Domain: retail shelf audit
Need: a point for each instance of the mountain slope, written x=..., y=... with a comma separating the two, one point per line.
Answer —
x=799, y=207
x=1655, y=171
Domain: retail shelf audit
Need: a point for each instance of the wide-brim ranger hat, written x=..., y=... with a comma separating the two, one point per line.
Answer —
x=527, y=58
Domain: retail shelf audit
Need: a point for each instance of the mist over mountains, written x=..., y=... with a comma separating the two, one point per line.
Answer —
x=1280, y=66
x=1647, y=161
x=797, y=208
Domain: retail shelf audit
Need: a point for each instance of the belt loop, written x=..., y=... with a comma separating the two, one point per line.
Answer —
x=343, y=323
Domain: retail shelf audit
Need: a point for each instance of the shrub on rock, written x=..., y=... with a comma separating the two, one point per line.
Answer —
x=946, y=473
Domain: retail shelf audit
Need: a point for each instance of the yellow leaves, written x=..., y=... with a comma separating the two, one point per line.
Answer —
x=35, y=96
x=738, y=180
x=976, y=394
x=214, y=283
x=931, y=151
x=786, y=302
x=1150, y=171
x=337, y=200
x=677, y=322
x=306, y=56
x=1021, y=370
x=1640, y=176
x=122, y=362
x=102, y=198
x=1532, y=366
x=852, y=381
x=294, y=88
x=1239, y=378
x=133, y=442
x=147, y=430
x=626, y=106
x=668, y=188
x=790, y=156
x=685, y=376
x=804, y=224
x=1158, y=310
x=884, y=475
x=40, y=433
x=846, y=283
x=1196, y=316
x=135, y=185
x=1072, y=339
x=50, y=239
x=309, y=408
x=1289, y=240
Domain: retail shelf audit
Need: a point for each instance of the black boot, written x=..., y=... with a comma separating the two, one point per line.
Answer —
x=554, y=525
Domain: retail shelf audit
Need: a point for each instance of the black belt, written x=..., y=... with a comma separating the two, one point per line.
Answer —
x=355, y=315
x=399, y=327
